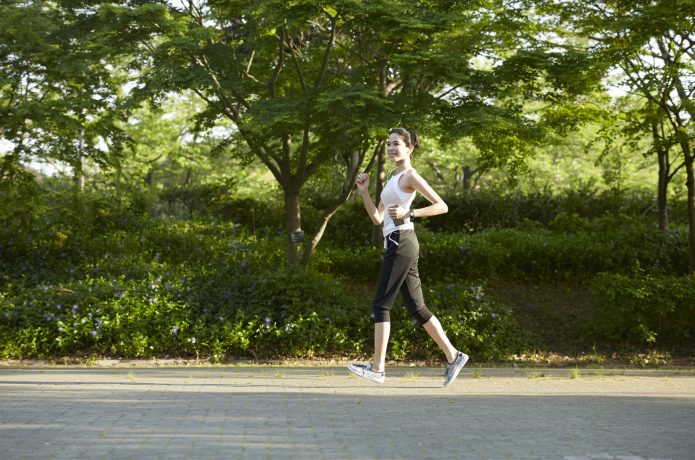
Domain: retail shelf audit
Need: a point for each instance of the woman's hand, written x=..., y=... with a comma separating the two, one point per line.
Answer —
x=376, y=213
x=362, y=182
x=396, y=212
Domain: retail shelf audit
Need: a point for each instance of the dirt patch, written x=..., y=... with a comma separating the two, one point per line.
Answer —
x=553, y=313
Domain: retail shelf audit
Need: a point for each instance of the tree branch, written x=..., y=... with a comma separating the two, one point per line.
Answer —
x=258, y=149
x=326, y=56
x=303, y=172
x=676, y=170
x=279, y=65
x=436, y=169
x=453, y=88
x=298, y=68
x=248, y=67
x=378, y=147
x=353, y=170
x=286, y=154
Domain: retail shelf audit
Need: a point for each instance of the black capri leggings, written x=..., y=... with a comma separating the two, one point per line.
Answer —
x=399, y=272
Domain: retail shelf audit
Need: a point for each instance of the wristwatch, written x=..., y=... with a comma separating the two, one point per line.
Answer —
x=411, y=214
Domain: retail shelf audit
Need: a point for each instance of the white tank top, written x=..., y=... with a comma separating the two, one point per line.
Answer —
x=393, y=195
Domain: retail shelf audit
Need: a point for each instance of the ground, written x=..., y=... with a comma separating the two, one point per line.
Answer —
x=325, y=412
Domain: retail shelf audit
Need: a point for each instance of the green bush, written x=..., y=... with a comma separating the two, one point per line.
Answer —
x=481, y=210
x=484, y=328
x=149, y=287
x=97, y=274
x=605, y=245
x=281, y=313
x=648, y=309
x=468, y=212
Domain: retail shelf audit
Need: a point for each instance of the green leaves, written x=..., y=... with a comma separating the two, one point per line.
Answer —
x=644, y=309
x=59, y=96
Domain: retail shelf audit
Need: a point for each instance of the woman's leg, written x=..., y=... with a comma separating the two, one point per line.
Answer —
x=435, y=330
x=394, y=269
x=456, y=359
x=381, y=339
x=411, y=290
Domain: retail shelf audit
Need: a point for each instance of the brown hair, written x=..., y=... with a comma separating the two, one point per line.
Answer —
x=408, y=136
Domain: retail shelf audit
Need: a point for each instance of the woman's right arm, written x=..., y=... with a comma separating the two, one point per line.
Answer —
x=375, y=213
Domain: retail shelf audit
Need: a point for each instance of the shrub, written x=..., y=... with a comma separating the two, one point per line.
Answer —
x=99, y=275
x=481, y=210
x=647, y=309
x=350, y=226
x=605, y=245
x=225, y=309
x=472, y=321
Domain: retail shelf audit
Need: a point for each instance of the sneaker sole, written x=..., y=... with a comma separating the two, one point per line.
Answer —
x=456, y=374
x=364, y=376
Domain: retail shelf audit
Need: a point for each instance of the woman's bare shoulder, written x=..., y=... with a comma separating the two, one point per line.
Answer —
x=413, y=177
x=412, y=180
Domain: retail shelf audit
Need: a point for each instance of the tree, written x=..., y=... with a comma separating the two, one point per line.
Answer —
x=313, y=86
x=167, y=149
x=58, y=94
x=653, y=43
x=651, y=119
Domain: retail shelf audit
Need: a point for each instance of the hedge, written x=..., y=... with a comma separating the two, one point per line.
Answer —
x=647, y=309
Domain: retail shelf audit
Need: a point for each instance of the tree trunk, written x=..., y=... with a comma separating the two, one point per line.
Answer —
x=311, y=246
x=690, y=183
x=377, y=235
x=664, y=171
x=436, y=170
x=467, y=176
x=78, y=179
x=293, y=224
x=662, y=194
x=78, y=173
x=188, y=178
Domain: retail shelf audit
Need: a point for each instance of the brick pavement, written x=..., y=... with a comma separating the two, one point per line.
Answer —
x=322, y=412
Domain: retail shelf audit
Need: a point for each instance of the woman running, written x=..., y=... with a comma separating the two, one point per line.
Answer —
x=399, y=270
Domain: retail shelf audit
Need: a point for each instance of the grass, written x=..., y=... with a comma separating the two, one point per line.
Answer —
x=574, y=373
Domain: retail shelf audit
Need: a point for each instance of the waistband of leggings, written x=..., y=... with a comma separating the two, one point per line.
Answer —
x=398, y=233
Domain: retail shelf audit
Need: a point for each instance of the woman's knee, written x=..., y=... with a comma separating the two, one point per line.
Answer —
x=382, y=314
x=421, y=313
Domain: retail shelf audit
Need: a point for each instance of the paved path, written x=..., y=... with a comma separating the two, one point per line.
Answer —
x=321, y=412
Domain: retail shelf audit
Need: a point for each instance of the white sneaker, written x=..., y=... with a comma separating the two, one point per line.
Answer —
x=365, y=370
x=453, y=369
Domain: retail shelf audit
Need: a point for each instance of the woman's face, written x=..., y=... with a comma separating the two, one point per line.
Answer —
x=397, y=149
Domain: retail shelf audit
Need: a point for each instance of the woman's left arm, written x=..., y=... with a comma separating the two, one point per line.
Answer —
x=438, y=206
